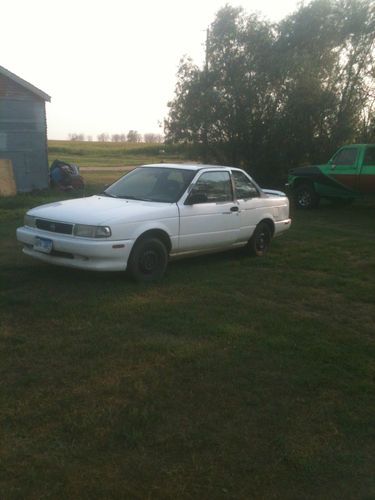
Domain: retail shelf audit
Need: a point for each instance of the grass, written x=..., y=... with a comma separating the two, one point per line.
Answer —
x=233, y=378
x=111, y=154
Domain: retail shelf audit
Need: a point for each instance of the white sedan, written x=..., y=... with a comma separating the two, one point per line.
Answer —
x=154, y=213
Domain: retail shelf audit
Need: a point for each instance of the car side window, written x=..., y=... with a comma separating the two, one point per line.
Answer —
x=244, y=187
x=214, y=187
x=345, y=157
x=369, y=159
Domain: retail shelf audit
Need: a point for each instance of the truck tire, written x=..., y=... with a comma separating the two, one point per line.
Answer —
x=305, y=196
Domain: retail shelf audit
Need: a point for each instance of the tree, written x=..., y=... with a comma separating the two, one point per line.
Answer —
x=103, y=137
x=272, y=96
x=133, y=136
x=151, y=138
x=76, y=137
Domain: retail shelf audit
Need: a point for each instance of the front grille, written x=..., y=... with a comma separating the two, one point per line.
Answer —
x=66, y=255
x=54, y=227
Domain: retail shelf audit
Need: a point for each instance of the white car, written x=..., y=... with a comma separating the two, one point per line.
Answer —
x=154, y=213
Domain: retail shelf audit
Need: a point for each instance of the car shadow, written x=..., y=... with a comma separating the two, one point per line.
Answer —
x=42, y=272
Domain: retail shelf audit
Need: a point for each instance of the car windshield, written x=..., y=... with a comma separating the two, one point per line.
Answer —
x=160, y=184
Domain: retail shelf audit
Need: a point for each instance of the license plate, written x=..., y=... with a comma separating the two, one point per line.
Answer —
x=43, y=245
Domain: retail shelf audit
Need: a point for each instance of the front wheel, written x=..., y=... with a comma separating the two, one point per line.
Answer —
x=148, y=260
x=260, y=241
x=305, y=196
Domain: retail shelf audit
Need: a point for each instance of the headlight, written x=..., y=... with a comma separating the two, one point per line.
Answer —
x=92, y=231
x=29, y=221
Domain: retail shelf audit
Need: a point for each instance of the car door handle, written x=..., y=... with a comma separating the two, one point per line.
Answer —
x=234, y=209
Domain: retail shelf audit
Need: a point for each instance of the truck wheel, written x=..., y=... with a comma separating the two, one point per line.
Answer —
x=260, y=241
x=148, y=260
x=305, y=197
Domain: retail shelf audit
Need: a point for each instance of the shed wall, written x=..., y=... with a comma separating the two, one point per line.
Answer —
x=23, y=137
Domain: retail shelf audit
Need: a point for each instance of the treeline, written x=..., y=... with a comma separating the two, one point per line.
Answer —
x=132, y=136
x=273, y=96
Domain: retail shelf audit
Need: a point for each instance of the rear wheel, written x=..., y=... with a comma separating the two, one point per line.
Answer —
x=305, y=196
x=148, y=260
x=260, y=241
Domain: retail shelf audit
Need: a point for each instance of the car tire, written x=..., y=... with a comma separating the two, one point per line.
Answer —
x=260, y=241
x=305, y=197
x=148, y=260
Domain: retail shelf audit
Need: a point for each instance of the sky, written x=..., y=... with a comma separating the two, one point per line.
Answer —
x=110, y=65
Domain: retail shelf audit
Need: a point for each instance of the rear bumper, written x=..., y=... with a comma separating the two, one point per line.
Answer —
x=81, y=253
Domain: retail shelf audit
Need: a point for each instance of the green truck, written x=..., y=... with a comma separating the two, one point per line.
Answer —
x=349, y=174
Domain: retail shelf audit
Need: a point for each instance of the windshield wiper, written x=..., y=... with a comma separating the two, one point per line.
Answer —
x=129, y=197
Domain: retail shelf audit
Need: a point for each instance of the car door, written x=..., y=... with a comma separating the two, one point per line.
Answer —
x=209, y=218
x=367, y=174
x=343, y=168
x=249, y=203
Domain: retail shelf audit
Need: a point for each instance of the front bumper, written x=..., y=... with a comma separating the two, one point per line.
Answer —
x=76, y=252
x=281, y=226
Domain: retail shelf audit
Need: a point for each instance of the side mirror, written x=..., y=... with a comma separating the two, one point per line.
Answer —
x=196, y=198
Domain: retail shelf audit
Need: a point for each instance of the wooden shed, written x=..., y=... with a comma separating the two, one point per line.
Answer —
x=23, y=131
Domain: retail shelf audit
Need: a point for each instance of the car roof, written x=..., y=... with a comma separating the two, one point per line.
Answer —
x=186, y=166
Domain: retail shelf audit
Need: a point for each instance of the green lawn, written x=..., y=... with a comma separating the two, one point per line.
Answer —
x=234, y=378
x=112, y=154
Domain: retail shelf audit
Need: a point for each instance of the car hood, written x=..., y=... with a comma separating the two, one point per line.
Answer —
x=307, y=171
x=97, y=210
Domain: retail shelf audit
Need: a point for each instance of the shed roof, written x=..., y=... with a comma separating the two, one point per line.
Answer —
x=25, y=84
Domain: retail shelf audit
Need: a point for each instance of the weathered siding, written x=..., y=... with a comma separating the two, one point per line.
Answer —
x=23, y=135
x=12, y=90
